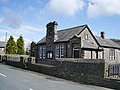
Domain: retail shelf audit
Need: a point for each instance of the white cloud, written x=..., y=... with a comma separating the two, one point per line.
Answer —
x=4, y=31
x=1, y=20
x=65, y=8
x=103, y=7
x=28, y=32
x=2, y=38
x=12, y=18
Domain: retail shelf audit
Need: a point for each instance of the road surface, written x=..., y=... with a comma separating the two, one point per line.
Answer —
x=12, y=78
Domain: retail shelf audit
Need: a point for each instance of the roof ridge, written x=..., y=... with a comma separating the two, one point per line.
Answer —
x=72, y=27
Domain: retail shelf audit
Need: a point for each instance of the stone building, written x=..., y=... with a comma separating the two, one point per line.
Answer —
x=2, y=47
x=33, y=49
x=76, y=42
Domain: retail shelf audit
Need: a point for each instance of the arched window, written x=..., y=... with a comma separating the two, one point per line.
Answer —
x=49, y=54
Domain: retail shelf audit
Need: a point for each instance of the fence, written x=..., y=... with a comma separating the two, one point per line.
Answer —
x=114, y=71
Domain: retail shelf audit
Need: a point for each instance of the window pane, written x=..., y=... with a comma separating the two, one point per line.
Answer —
x=40, y=52
x=112, y=54
x=61, y=51
x=44, y=52
x=57, y=51
x=86, y=36
x=50, y=55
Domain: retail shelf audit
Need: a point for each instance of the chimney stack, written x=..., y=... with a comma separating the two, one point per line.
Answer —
x=103, y=35
x=52, y=30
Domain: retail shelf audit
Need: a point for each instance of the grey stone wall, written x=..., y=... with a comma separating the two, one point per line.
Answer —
x=78, y=69
x=84, y=71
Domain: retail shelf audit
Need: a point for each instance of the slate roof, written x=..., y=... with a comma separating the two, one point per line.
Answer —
x=2, y=44
x=66, y=34
x=116, y=40
x=107, y=42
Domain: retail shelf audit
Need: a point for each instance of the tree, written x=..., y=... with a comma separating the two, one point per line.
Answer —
x=11, y=47
x=20, y=45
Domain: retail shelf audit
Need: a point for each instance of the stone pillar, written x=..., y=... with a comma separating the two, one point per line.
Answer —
x=4, y=58
x=29, y=60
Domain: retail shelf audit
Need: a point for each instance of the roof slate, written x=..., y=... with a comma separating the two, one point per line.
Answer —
x=107, y=42
x=66, y=34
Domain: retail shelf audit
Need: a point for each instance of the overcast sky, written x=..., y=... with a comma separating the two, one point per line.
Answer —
x=29, y=17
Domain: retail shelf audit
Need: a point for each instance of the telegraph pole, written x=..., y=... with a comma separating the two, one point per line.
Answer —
x=6, y=37
x=5, y=41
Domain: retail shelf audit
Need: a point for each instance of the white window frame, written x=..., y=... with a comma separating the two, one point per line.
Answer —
x=57, y=51
x=49, y=55
x=86, y=36
x=44, y=52
x=61, y=51
x=40, y=52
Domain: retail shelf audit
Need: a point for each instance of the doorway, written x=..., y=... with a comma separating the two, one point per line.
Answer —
x=76, y=52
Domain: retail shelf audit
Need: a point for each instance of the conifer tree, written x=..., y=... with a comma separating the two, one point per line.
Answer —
x=11, y=46
x=20, y=46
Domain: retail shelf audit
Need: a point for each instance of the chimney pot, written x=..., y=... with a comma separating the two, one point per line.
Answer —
x=103, y=35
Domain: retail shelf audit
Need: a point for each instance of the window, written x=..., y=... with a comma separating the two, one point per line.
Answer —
x=61, y=51
x=86, y=36
x=50, y=55
x=112, y=54
x=57, y=51
x=40, y=52
x=44, y=51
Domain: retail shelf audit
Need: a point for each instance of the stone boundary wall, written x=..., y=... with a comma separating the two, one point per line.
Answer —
x=84, y=71
x=91, y=72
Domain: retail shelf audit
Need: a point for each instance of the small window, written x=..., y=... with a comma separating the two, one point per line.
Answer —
x=86, y=36
x=112, y=54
